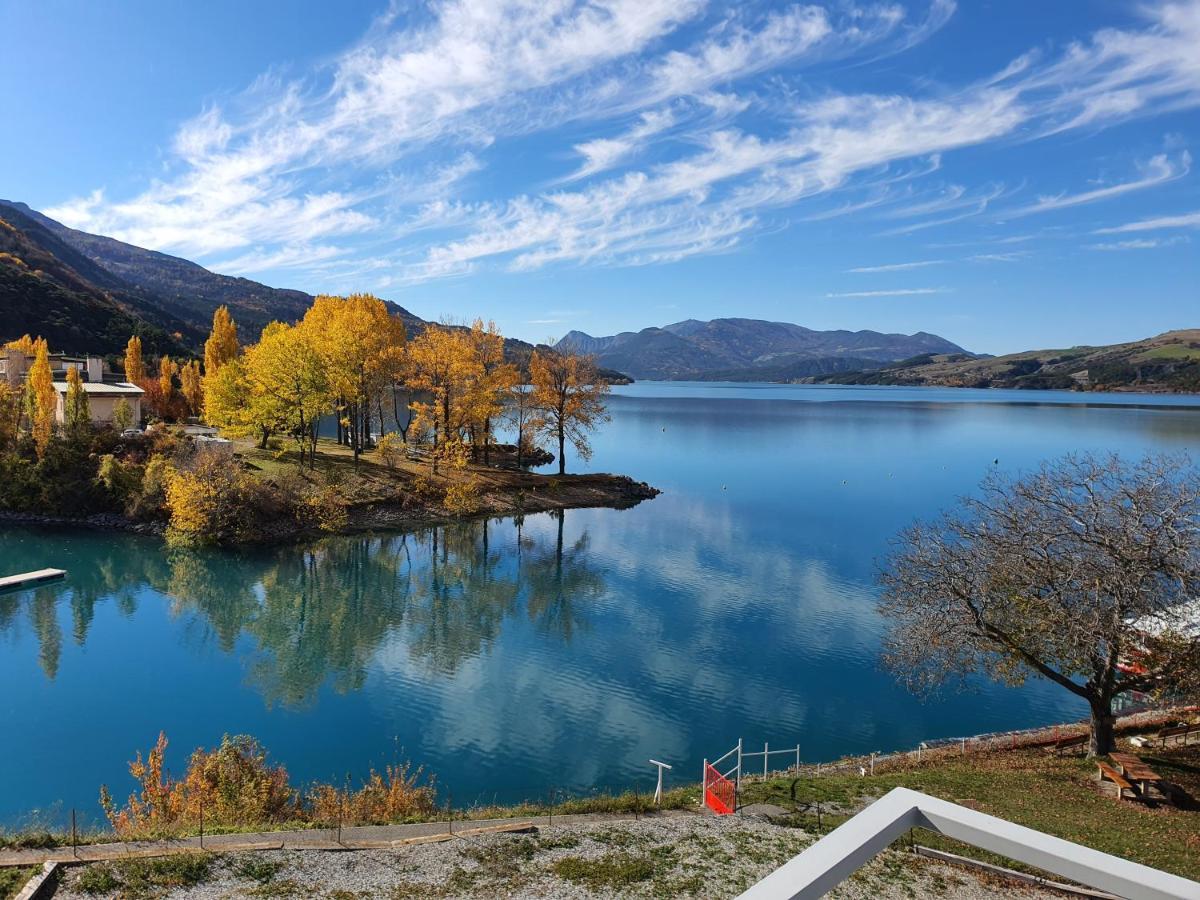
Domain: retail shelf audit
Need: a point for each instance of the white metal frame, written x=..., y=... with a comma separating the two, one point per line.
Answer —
x=766, y=753
x=833, y=858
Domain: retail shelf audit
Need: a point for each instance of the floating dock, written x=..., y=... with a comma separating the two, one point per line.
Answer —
x=31, y=579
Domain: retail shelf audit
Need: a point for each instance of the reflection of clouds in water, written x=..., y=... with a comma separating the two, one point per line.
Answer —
x=662, y=658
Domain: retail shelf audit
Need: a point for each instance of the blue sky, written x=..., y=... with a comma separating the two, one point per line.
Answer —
x=1006, y=174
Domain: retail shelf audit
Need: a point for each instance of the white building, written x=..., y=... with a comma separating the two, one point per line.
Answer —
x=102, y=400
x=103, y=388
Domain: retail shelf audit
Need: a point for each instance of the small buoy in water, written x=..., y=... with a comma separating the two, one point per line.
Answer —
x=722, y=487
x=996, y=462
x=843, y=481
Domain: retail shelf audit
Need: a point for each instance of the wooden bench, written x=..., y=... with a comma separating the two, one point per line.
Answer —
x=1179, y=731
x=1066, y=743
x=1108, y=772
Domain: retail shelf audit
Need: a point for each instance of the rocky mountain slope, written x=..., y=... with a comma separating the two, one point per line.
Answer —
x=750, y=349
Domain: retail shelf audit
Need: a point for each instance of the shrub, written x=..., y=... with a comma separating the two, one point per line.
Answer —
x=389, y=447
x=215, y=501
x=122, y=480
x=393, y=796
x=19, y=486
x=234, y=784
x=151, y=501
x=238, y=786
x=326, y=508
x=462, y=498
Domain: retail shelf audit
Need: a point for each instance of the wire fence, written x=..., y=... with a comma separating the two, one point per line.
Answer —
x=68, y=828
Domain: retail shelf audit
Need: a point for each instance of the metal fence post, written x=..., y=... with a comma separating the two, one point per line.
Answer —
x=737, y=784
x=797, y=757
x=704, y=783
x=74, y=839
x=202, y=820
x=766, y=756
x=873, y=762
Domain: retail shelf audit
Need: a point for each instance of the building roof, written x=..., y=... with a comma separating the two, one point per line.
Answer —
x=1183, y=620
x=104, y=389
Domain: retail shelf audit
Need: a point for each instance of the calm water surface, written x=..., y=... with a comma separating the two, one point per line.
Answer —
x=515, y=657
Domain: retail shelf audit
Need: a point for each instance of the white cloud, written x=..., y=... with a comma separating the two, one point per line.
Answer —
x=350, y=164
x=1140, y=243
x=899, y=267
x=897, y=292
x=1159, y=170
x=1187, y=220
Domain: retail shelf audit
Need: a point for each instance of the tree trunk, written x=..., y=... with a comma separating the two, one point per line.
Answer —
x=1101, y=740
x=562, y=459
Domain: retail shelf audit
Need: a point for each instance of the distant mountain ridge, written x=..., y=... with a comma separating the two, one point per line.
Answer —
x=1169, y=362
x=738, y=349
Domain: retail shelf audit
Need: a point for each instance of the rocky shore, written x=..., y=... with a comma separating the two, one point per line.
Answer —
x=502, y=493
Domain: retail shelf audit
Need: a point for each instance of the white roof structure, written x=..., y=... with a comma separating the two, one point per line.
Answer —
x=103, y=389
x=1183, y=620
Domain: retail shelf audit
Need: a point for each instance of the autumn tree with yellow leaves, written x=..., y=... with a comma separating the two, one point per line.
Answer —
x=489, y=380
x=439, y=369
x=286, y=386
x=191, y=386
x=222, y=344
x=569, y=397
x=77, y=414
x=358, y=344
x=135, y=369
x=43, y=399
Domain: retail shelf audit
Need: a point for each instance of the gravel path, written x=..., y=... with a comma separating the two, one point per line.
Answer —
x=692, y=856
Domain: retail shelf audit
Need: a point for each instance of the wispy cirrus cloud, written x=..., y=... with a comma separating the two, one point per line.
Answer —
x=685, y=125
x=1140, y=243
x=1157, y=171
x=1158, y=223
x=898, y=267
x=895, y=292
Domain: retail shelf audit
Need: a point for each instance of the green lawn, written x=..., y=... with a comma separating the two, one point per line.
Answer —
x=1057, y=795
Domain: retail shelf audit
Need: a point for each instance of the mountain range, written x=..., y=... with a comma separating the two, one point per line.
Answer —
x=1166, y=362
x=87, y=293
x=750, y=350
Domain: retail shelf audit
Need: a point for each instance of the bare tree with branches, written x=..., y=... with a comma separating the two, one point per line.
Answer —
x=1084, y=573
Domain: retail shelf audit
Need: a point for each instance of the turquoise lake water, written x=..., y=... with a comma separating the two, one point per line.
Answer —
x=514, y=658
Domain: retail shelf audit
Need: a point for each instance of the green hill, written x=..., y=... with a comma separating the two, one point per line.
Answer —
x=1169, y=362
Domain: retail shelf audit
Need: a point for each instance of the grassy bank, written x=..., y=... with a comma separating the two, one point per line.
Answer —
x=402, y=492
x=1056, y=795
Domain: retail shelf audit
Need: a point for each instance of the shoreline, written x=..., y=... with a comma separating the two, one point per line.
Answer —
x=510, y=494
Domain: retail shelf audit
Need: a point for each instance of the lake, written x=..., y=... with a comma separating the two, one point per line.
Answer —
x=513, y=658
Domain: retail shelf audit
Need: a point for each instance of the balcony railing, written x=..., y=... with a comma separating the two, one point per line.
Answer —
x=833, y=858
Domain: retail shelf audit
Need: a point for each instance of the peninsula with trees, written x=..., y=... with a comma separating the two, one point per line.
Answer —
x=339, y=422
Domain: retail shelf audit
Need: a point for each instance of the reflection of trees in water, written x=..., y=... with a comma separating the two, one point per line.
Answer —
x=560, y=581
x=321, y=612
x=460, y=602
